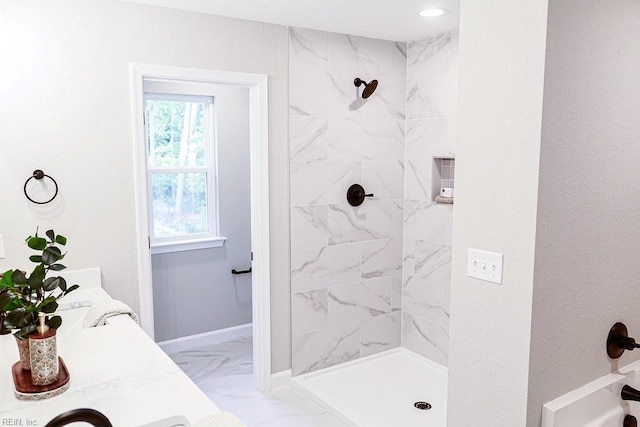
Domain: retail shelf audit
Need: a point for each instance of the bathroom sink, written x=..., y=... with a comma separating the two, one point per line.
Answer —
x=175, y=421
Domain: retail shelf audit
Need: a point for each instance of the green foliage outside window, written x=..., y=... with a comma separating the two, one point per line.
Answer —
x=176, y=140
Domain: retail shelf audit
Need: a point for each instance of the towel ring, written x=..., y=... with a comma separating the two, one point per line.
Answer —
x=38, y=174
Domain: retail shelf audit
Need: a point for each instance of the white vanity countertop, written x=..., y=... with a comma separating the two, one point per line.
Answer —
x=116, y=369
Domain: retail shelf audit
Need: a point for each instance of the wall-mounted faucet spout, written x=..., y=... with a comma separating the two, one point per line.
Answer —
x=630, y=421
x=630, y=393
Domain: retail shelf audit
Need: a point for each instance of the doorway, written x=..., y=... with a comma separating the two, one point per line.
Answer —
x=259, y=280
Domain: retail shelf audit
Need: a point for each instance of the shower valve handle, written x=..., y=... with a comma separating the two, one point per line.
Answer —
x=356, y=195
x=618, y=341
x=627, y=343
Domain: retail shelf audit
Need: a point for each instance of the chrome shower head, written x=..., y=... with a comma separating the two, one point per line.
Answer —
x=369, y=88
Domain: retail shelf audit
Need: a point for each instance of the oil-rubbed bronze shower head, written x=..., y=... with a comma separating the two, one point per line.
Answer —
x=369, y=88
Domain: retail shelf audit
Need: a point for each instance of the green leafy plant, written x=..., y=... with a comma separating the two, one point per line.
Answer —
x=22, y=297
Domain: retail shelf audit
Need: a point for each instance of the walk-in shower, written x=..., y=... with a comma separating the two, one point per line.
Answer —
x=370, y=275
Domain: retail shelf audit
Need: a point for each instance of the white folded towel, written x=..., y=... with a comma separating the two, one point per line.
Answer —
x=222, y=419
x=102, y=310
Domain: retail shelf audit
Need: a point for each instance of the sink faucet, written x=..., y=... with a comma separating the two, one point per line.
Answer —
x=91, y=416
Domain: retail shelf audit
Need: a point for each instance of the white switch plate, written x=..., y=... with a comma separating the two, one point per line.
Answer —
x=1, y=248
x=484, y=265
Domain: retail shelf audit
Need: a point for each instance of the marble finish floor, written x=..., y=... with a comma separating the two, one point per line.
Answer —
x=224, y=372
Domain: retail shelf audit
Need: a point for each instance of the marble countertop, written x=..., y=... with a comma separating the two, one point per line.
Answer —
x=116, y=369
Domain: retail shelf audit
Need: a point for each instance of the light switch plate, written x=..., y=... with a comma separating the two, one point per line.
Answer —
x=1, y=248
x=484, y=265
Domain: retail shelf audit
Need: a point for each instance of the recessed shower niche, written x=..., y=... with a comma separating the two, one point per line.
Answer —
x=442, y=179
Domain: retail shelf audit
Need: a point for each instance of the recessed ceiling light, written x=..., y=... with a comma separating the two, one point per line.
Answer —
x=430, y=13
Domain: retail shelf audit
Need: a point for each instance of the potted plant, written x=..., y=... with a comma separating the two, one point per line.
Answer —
x=5, y=300
x=23, y=297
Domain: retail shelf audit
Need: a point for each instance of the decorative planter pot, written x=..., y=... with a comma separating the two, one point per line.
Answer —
x=23, y=351
x=43, y=352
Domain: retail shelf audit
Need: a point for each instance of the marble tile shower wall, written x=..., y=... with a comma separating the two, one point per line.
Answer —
x=432, y=75
x=346, y=262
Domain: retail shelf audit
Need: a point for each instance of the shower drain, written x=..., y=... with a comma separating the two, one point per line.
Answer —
x=424, y=406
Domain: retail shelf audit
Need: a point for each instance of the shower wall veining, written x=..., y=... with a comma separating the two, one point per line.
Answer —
x=432, y=91
x=346, y=262
x=349, y=281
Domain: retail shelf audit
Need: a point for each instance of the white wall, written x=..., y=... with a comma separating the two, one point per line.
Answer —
x=65, y=107
x=587, y=274
x=502, y=48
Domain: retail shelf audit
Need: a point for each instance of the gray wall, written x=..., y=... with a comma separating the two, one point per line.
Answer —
x=587, y=274
x=65, y=107
x=194, y=291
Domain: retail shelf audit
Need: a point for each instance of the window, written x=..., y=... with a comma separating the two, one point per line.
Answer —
x=181, y=169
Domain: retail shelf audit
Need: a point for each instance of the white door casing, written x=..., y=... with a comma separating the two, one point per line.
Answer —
x=259, y=165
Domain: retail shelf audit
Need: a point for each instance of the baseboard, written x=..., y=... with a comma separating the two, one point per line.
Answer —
x=213, y=337
x=281, y=379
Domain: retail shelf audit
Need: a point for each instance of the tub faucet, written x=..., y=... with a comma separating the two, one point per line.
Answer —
x=630, y=393
x=91, y=416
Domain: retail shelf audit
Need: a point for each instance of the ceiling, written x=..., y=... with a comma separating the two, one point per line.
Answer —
x=396, y=20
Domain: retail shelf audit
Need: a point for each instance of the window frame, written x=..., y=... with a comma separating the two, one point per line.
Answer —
x=175, y=91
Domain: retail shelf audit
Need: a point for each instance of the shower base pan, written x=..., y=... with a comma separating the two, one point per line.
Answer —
x=386, y=389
